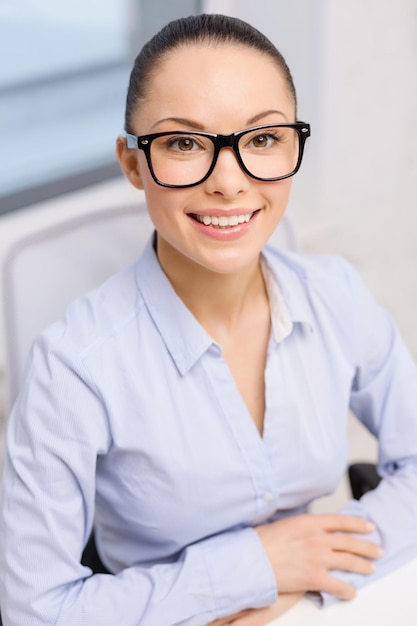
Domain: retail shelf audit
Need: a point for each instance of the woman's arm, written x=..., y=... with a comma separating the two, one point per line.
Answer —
x=58, y=429
x=260, y=617
x=42, y=582
x=384, y=399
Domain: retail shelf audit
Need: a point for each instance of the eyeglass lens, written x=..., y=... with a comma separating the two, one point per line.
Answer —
x=184, y=159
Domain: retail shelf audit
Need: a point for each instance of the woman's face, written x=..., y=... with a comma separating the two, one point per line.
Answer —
x=218, y=89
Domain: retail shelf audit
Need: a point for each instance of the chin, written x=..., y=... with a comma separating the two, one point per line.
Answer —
x=229, y=264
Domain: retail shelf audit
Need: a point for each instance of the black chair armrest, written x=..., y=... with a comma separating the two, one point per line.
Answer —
x=91, y=558
x=363, y=477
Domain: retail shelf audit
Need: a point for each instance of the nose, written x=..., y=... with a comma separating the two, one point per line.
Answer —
x=227, y=179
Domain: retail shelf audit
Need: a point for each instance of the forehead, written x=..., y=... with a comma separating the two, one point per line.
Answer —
x=217, y=85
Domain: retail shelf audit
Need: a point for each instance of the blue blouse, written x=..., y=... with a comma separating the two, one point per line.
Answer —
x=130, y=419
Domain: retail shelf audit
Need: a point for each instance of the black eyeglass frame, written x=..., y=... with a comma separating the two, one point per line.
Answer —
x=219, y=141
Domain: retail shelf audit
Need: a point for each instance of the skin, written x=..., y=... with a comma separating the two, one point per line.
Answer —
x=224, y=89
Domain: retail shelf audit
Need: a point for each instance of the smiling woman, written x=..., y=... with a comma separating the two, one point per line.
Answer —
x=192, y=407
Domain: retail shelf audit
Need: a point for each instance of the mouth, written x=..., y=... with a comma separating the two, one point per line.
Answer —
x=223, y=221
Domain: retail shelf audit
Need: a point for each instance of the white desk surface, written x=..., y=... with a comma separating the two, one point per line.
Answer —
x=390, y=601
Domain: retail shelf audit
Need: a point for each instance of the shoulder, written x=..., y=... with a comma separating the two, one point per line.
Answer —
x=95, y=318
x=329, y=292
x=316, y=273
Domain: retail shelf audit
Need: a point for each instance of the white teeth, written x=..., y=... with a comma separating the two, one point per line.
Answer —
x=223, y=221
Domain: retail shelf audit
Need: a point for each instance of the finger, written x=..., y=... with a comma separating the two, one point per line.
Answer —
x=355, y=545
x=336, y=587
x=347, y=523
x=347, y=562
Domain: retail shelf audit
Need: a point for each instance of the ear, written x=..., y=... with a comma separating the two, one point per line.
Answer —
x=129, y=162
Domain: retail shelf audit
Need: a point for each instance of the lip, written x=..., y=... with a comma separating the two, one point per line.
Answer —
x=229, y=233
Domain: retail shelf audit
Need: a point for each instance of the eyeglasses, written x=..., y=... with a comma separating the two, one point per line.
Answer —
x=186, y=159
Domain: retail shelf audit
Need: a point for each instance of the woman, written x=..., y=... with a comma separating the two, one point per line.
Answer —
x=195, y=404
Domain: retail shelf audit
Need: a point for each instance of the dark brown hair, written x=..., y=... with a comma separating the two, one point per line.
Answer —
x=204, y=28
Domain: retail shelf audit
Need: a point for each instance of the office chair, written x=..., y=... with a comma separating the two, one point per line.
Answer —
x=363, y=477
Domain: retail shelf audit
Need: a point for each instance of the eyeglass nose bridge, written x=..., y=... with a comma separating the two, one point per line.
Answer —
x=225, y=141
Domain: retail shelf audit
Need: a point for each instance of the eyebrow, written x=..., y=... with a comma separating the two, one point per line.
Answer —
x=198, y=126
x=259, y=116
x=180, y=120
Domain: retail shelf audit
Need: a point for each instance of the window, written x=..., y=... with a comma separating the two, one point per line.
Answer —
x=62, y=89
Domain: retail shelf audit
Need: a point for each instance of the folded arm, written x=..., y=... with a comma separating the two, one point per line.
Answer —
x=55, y=435
x=384, y=399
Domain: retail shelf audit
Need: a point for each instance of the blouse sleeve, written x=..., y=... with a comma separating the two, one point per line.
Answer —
x=384, y=399
x=55, y=433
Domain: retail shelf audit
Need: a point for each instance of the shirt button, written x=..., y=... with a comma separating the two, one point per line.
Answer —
x=268, y=496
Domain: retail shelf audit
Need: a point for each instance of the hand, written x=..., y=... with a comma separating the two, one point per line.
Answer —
x=303, y=549
x=260, y=617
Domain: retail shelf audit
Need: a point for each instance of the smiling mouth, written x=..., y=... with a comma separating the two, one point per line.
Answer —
x=223, y=221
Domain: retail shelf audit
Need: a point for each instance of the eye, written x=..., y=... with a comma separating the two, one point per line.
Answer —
x=183, y=144
x=263, y=140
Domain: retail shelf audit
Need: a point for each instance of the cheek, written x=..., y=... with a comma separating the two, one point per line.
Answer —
x=164, y=205
x=157, y=206
x=154, y=193
x=143, y=171
x=279, y=193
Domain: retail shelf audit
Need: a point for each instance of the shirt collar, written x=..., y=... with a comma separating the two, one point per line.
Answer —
x=288, y=291
x=185, y=338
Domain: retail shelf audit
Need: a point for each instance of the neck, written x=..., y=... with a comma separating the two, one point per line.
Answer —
x=218, y=301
